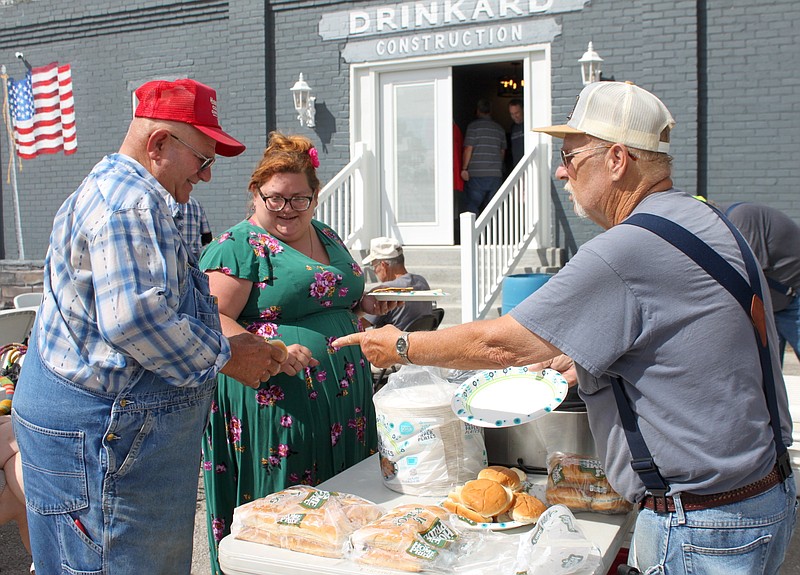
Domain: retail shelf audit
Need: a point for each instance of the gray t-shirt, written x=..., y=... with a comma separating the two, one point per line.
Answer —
x=488, y=140
x=775, y=239
x=402, y=316
x=630, y=304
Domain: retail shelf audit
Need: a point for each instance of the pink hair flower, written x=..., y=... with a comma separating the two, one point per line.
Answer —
x=312, y=152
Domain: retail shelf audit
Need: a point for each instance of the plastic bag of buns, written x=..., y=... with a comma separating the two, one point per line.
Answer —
x=411, y=537
x=579, y=482
x=305, y=519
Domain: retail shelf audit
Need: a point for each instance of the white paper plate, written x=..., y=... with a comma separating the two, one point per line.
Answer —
x=510, y=396
x=416, y=295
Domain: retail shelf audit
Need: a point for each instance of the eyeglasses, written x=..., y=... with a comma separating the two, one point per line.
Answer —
x=205, y=162
x=565, y=157
x=277, y=203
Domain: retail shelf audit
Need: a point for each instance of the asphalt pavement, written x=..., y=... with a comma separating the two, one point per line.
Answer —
x=16, y=561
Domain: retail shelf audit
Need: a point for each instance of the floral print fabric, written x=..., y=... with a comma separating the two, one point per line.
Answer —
x=302, y=429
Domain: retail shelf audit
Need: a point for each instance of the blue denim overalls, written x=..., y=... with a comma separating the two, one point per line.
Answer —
x=111, y=479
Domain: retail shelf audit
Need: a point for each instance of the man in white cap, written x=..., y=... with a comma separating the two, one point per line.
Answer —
x=388, y=262
x=696, y=379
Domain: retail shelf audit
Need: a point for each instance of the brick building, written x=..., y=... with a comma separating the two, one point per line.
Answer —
x=721, y=67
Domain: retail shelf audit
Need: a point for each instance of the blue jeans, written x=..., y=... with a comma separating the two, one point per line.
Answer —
x=787, y=321
x=478, y=191
x=745, y=538
x=111, y=479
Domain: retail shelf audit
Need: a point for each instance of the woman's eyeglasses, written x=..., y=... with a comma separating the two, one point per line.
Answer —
x=277, y=203
x=205, y=162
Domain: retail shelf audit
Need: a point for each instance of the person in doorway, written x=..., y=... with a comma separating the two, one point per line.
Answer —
x=282, y=274
x=482, y=162
x=387, y=260
x=125, y=348
x=716, y=488
x=775, y=239
x=516, y=135
x=192, y=223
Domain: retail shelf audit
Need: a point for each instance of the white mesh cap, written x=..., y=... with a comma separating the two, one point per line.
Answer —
x=619, y=112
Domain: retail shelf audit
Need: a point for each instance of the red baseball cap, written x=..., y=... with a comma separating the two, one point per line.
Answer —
x=190, y=102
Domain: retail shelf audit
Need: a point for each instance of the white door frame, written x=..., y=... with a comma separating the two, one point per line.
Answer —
x=365, y=119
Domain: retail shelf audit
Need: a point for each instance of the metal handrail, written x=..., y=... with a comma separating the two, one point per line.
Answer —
x=493, y=245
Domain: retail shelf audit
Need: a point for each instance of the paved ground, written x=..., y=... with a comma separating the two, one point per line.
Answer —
x=15, y=561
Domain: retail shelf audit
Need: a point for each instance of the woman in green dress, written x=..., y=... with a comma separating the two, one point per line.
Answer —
x=283, y=275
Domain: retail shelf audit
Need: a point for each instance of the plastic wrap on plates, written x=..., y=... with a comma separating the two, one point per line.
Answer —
x=411, y=538
x=580, y=483
x=557, y=546
x=304, y=519
x=424, y=448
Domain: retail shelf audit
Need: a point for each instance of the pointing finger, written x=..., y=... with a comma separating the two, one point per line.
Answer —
x=351, y=339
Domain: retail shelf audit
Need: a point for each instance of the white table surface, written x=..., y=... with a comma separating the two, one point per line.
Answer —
x=237, y=557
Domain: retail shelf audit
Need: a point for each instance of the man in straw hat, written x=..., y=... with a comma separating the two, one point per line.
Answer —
x=118, y=379
x=687, y=374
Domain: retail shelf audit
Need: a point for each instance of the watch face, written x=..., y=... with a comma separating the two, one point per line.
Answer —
x=401, y=345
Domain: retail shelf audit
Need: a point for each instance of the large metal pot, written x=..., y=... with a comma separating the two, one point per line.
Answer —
x=566, y=429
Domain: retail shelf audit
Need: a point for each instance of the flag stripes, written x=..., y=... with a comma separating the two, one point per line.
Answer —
x=43, y=111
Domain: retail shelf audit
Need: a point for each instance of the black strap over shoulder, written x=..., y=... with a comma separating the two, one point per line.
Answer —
x=750, y=298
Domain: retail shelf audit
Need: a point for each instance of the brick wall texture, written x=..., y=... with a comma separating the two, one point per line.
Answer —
x=723, y=68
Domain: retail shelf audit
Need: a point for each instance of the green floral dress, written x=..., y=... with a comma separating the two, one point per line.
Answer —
x=301, y=429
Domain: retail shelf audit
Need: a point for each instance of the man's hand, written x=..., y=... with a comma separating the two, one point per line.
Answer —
x=253, y=360
x=298, y=359
x=561, y=363
x=378, y=345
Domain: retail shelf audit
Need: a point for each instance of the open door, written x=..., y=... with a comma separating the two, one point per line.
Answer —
x=417, y=156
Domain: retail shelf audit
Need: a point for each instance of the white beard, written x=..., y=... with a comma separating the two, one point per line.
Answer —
x=579, y=210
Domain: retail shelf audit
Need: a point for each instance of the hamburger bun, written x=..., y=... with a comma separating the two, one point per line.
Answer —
x=502, y=475
x=487, y=497
x=526, y=508
x=463, y=511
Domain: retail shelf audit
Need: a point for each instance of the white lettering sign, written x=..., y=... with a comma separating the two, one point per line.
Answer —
x=419, y=16
x=451, y=41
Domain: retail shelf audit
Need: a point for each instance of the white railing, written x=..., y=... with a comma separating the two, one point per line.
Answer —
x=492, y=245
x=339, y=198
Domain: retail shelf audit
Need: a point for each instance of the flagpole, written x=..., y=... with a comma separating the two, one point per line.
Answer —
x=13, y=170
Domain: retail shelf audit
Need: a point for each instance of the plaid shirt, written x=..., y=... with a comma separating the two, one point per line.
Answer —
x=113, y=278
x=191, y=221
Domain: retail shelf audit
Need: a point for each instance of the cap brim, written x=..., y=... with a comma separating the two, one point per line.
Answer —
x=558, y=131
x=226, y=145
x=368, y=260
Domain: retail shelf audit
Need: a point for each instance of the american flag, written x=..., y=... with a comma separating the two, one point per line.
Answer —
x=43, y=111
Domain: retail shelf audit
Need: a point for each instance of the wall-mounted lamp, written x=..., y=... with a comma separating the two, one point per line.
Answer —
x=304, y=102
x=591, y=62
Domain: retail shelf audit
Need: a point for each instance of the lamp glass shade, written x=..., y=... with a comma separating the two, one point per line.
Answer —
x=300, y=92
x=591, y=64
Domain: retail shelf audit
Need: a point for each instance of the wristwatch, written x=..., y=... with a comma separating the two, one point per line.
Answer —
x=402, y=347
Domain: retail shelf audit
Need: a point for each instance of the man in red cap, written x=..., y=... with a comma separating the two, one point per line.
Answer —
x=116, y=389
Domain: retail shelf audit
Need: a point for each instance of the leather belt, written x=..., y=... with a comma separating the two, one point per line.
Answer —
x=692, y=502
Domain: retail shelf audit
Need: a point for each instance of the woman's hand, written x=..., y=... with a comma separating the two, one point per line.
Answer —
x=371, y=305
x=298, y=359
